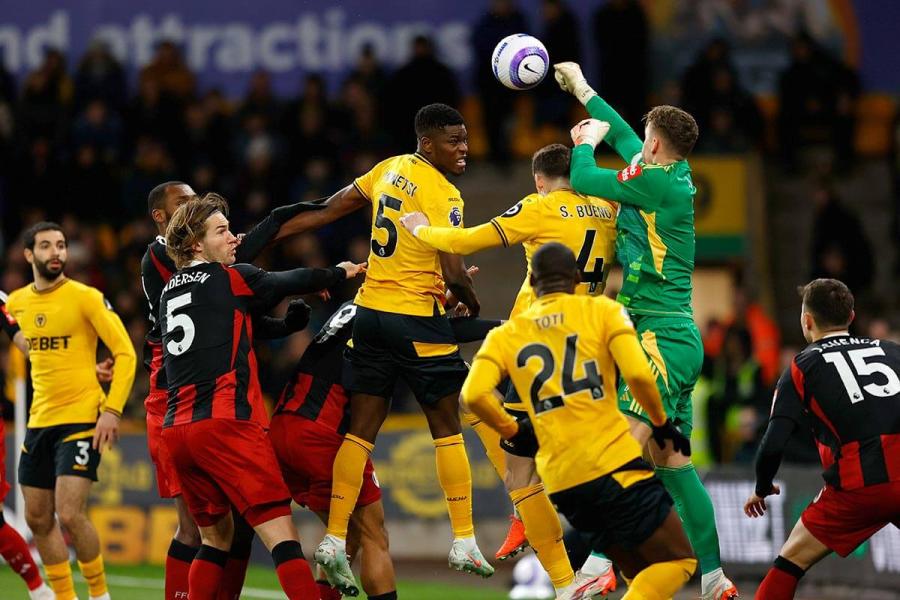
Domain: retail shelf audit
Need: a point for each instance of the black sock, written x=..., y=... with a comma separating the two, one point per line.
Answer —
x=181, y=551
x=384, y=596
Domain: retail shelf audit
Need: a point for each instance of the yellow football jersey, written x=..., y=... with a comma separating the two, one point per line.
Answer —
x=61, y=326
x=404, y=274
x=557, y=354
x=584, y=224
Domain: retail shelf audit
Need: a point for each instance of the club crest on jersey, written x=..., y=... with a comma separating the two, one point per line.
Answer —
x=455, y=216
x=40, y=319
x=513, y=210
x=629, y=173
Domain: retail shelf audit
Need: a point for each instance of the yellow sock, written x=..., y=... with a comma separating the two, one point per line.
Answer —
x=544, y=532
x=59, y=576
x=491, y=441
x=94, y=575
x=661, y=580
x=455, y=478
x=347, y=475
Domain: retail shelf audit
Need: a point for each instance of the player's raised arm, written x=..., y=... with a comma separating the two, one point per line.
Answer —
x=342, y=203
x=267, y=230
x=621, y=137
x=452, y=240
x=295, y=319
x=637, y=185
x=459, y=282
x=11, y=327
x=269, y=288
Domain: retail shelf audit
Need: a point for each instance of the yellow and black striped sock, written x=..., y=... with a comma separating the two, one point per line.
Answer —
x=59, y=576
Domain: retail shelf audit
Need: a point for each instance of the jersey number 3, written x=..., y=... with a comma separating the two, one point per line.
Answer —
x=383, y=222
x=569, y=385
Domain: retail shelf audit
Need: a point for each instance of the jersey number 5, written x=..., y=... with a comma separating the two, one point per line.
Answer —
x=591, y=381
x=182, y=321
x=382, y=222
x=890, y=387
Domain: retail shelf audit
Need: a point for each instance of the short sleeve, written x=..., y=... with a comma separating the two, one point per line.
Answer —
x=492, y=348
x=787, y=401
x=444, y=207
x=365, y=184
x=520, y=222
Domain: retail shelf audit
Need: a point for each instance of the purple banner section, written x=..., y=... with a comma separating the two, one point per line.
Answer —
x=225, y=42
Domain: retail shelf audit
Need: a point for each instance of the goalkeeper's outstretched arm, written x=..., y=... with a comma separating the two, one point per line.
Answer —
x=621, y=137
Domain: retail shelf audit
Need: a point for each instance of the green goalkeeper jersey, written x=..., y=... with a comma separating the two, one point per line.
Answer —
x=655, y=240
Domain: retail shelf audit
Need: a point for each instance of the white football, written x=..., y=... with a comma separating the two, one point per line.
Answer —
x=520, y=61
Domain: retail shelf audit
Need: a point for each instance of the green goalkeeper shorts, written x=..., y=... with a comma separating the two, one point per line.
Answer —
x=675, y=350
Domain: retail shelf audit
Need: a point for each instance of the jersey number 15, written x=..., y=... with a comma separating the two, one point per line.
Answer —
x=862, y=368
x=568, y=384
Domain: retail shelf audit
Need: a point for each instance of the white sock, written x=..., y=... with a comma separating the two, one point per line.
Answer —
x=564, y=590
x=468, y=543
x=709, y=581
x=341, y=543
x=596, y=565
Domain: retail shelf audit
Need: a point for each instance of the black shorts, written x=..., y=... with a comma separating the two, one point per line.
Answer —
x=49, y=452
x=606, y=514
x=421, y=350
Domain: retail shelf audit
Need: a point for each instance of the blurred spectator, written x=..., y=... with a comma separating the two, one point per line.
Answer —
x=7, y=84
x=622, y=44
x=817, y=96
x=100, y=77
x=152, y=164
x=738, y=397
x=369, y=72
x=153, y=114
x=502, y=19
x=423, y=80
x=97, y=126
x=840, y=247
x=169, y=72
x=91, y=190
x=561, y=38
x=726, y=114
x=260, y=100
x=46, y=99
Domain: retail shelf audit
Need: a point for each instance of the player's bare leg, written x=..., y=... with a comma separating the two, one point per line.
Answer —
x=71, y=506
x=670, y=465
x=800, y=552
x=182, y=550
x=377, y=571
x=367, y=413
x=40, y=514
x=661, y=565
x=455, y=477
x=208, y=565
x=280, y=537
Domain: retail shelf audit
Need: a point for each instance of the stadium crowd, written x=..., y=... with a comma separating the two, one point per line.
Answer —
x=82, y=143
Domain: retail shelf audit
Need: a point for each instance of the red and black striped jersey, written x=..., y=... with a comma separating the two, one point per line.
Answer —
x=207, y=336
x=848, y=389
x=314, y=390
x=156, y=269
x=7, y=321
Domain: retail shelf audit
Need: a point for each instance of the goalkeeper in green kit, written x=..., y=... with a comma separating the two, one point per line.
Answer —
x=655, y=245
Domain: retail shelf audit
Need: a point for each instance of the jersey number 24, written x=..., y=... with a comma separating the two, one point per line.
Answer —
x=568, y=384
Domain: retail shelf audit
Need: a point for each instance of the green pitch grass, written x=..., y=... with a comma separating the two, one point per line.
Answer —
x=146, y=583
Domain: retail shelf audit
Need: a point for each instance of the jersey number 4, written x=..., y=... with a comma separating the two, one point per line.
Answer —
x=569, y=385
x=593, y=277
x=862, y=368
x=383, y=222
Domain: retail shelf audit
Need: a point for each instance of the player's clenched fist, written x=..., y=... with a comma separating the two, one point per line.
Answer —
x=413, y=220
x=353, y=269
x=589, y=131
x=570, y=78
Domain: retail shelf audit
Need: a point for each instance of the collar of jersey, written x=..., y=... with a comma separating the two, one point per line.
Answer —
x=553, y=296
x=428, y=162
x=55, y=286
